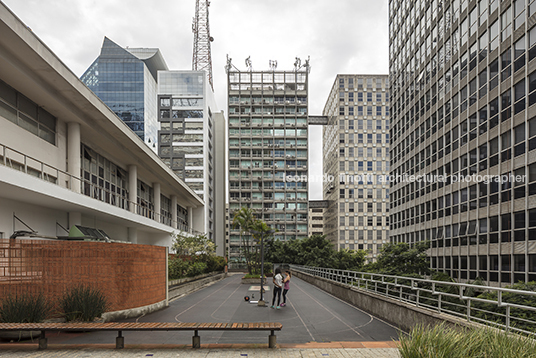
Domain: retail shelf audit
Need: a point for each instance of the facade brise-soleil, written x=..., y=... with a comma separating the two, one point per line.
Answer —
x=268, y=144
x=463, y=84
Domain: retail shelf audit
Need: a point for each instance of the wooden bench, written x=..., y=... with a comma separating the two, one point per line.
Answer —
x=143, y=326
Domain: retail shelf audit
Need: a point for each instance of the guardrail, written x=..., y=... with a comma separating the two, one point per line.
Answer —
x=495, y=306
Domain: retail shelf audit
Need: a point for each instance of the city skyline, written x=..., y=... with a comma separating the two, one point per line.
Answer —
x=331, y=49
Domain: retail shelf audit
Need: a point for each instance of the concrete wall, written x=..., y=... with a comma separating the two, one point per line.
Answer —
x=400, y=314
x=192, y=286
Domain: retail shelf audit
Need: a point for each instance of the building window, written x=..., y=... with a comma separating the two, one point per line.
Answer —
x=17, y=108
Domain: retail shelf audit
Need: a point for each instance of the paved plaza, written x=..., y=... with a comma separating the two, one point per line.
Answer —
x=202, y=353
x=315, y=324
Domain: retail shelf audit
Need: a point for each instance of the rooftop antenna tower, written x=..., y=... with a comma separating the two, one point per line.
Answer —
x=202, y=58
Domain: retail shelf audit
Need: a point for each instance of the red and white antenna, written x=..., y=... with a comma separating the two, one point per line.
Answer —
x=202, y=57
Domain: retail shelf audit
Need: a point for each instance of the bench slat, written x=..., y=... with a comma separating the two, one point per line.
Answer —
x=139, y=326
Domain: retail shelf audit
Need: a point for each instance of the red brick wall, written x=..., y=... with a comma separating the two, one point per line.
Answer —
x=129, y=275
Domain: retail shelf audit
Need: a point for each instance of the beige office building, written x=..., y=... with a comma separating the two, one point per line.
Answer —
x=356, y=163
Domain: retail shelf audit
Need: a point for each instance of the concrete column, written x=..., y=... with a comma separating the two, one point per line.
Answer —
x=133, y=235
x=190, y=217
x=74, y=159
x=132, y=187
x=75, y=218
x=174, y=202
x=157, y=203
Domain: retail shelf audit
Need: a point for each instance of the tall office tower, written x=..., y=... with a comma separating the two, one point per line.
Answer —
x=356, y=163
x=462, y=84
x=267, y=147
x=125, y=79
x=188, y=140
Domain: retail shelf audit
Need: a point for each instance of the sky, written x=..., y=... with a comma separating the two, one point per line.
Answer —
x=340, y=36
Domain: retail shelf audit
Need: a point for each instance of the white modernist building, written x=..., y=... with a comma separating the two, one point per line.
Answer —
x=66, y=159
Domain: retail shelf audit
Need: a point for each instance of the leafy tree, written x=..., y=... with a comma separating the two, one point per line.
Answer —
x=315, y=251
x=402, y=259
x=349, y=259
x=192, y=245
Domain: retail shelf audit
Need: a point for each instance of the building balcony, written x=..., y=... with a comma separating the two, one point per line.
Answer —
x=35, y=182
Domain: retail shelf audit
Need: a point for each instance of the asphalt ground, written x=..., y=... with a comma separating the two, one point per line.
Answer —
x=311, y=316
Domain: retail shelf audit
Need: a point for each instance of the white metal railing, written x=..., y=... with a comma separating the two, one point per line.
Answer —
x=14, y=159
x=499, y=306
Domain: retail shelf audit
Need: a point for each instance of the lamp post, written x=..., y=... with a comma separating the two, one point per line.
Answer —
x=262, y=233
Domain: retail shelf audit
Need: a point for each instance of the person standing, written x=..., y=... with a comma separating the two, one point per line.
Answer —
x=278, y=283
x=286, y=287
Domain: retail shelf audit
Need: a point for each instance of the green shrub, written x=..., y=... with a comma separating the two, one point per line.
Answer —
x=443, y=341
x=196, y=268
x=492, y=312
x=252, y=276
x=83, y=303
x=24, y=308
x=215, y=263
x=177, y=268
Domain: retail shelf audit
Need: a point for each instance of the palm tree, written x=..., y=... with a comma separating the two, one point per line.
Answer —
x=251, y=227
x=244, y=219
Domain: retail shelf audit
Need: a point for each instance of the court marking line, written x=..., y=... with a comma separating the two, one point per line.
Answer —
x=354, y=307
x=198, y=302
x=307, y=328
x=334, y=315
x=212, y=314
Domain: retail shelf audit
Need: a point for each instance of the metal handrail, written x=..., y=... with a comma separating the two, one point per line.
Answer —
x=441, y=296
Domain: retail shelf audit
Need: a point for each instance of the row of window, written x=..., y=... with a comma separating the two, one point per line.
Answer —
x=481, y=265
x=17, y=108
x=380, y=97
x=364, y=111
x=267, y=77
x=368, y=124
x=257, y=100
x=267, y=185
x=473, y=166
x=363, y=83
x=350, y=138
x=362, y=166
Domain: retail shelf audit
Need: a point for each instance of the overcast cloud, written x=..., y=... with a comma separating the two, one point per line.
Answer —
x=340, y=36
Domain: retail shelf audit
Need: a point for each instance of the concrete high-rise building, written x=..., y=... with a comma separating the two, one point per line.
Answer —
x=176, y=115
x=268, y=151
x=192, y=139
x=126, y=80
x=463, y=94
x=356, y=163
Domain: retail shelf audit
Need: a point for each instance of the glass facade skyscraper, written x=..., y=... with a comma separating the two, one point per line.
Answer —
x=126, y=80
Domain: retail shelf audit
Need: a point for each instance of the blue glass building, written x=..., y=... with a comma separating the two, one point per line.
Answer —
x=126, y=80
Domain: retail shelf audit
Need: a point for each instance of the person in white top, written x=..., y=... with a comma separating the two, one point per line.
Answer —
x=278, y=283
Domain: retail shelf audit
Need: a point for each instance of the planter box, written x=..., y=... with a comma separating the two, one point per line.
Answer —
x=253, y=281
